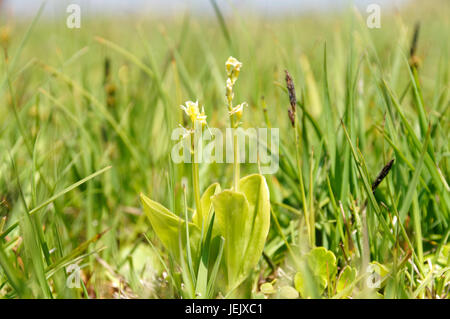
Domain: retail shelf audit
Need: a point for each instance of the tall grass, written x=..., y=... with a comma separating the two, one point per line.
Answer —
x=85, y=126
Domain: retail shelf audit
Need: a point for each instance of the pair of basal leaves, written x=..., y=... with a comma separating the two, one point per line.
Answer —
x=241, y=218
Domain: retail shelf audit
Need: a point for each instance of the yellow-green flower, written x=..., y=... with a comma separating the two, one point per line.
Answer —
x=237, y=110
x=229, y=91
x=201, y=117
x=233, y=67
x=192, y=110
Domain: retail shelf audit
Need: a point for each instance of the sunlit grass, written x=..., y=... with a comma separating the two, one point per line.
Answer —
x=85, y=126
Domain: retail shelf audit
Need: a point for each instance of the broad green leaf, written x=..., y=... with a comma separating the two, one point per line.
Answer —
x=323, y=264
x=287, y=292
x=317, y=273
x=267, y=288
x=170, y=228
x=206, y=206
x=257, y=193
x=232, y=213
x=346, y=277
x=258, y=295
x=305, y=282
x=299, y=283
x=243, y=219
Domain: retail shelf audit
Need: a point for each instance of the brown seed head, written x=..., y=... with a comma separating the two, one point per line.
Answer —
x=292, y=97
x=291, y=90
x=5, y=33
x=413, y=59
x=382, y=175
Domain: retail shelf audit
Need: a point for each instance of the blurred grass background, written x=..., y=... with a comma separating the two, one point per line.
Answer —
x=74, y=101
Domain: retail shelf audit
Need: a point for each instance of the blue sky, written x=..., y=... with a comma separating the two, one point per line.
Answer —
x=164, y=7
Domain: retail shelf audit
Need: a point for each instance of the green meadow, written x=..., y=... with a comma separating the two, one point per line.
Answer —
x=92, y=204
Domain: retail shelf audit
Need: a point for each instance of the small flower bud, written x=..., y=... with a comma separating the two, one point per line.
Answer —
x=233, y=67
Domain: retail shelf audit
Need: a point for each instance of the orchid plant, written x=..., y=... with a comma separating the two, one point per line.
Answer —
x=221, y=244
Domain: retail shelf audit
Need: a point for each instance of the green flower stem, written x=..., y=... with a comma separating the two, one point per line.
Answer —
x=196, y=180
x=302, y=186
x=235, y=150
x=236, y=161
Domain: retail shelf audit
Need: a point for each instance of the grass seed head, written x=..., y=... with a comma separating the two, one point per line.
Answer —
x=5, y=36
x=292, y=97
x=413, y=58
x=383, y=173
